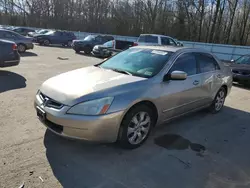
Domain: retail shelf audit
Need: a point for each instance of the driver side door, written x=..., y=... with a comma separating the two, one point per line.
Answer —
x=182, y=96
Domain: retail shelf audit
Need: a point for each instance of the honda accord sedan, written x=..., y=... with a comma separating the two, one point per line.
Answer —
x=123, y=98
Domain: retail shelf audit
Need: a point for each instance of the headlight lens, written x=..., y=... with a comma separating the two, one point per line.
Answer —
x=94, y=107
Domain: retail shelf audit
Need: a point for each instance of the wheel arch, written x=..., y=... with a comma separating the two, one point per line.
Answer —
x=147, y=103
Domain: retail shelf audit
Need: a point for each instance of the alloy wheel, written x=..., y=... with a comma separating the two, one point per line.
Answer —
x=220, y=99
x=138, y=128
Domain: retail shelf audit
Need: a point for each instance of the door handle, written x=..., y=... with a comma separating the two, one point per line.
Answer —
x=196, y=82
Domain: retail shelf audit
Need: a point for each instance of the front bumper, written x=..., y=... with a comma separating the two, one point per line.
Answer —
x=12, y=60
x=102, y=129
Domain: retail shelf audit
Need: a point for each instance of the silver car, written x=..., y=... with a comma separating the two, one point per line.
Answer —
x=124, y=97
x=23, y=43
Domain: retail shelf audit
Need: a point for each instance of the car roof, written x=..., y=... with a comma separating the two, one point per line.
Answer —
x=173, y=49
x=156, y=35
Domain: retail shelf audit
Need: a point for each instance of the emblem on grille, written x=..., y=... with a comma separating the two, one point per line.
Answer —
x=46, y=101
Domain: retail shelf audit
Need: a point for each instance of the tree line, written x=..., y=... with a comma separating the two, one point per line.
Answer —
x=213, y=21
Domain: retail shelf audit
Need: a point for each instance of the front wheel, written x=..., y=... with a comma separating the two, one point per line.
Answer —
x=219, y=101
x=21, y=48
x=136, y=126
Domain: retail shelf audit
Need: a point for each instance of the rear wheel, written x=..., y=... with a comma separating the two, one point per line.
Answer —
x=219, y=101
x=46, y=42
x=21, y=48
x=87, y=50
x=69, y=44
x=135, y=127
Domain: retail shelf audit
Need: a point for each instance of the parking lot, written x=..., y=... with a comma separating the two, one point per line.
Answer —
x=200, y=150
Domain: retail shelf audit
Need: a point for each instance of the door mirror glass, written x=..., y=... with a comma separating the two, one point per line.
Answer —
x=175, y=75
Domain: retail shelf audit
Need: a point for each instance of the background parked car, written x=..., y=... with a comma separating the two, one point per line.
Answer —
x=88, y=43
x=153, y=39
x=55, y=37
x=241, y=69
x=23, y=43
x=38, y=32
x=9, y=55
x=109, y=47
x=23, y=31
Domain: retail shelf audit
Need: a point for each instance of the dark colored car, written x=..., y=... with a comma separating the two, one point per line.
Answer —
x=9, y=55
x=55, y=37
x=23, y=31
x=88, y=43
x=109, y=47
x=23, y=43
x=241, y=69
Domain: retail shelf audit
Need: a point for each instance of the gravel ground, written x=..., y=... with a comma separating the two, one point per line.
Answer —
x=200, y=150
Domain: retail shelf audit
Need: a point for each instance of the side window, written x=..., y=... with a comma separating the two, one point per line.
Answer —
x=1, y=34
x=148, y=39
x=186, y=63
x=206, y=62
x=9, y=35
x=172, y=42
x=165, y=41
x=99, y=39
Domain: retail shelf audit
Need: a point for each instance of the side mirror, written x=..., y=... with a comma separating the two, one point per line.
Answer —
x=179, y=44
x=232, y=60
x=175, y=75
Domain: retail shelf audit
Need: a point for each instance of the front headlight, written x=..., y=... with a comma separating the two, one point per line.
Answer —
x=94, y=107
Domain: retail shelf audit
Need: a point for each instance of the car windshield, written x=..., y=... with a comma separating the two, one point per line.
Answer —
x=88, y=38
x=138, y=62
x=243, y=60
x=50, y=33
x=108, y=44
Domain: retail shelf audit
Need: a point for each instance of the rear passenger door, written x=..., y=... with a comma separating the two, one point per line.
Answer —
x=211, y=77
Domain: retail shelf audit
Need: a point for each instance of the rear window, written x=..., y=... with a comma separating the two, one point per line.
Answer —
x=148, y=39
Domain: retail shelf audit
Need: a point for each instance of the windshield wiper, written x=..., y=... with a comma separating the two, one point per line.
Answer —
x=122, y=71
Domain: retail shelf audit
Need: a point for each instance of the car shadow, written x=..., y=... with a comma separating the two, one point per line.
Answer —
x=28, y=54
x=247, y=87
x=78, y=164
x=10, y=81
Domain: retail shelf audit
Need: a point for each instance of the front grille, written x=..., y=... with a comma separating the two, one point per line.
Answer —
x=48, y=102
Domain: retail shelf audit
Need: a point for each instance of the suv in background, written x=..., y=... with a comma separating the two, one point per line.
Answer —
x=153, y=39
x=64, y=38
x=88, y=43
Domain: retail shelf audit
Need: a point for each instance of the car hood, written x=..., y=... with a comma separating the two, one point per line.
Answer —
x=70, y=86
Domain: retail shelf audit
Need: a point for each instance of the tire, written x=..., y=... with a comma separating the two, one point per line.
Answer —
x=132, y=122
x=46, y=42
x=87, y=50
x=69, y=43
x=219, y=101
x=21, y=48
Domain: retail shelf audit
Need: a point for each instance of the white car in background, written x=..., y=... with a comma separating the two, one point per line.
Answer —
x=154, y=39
